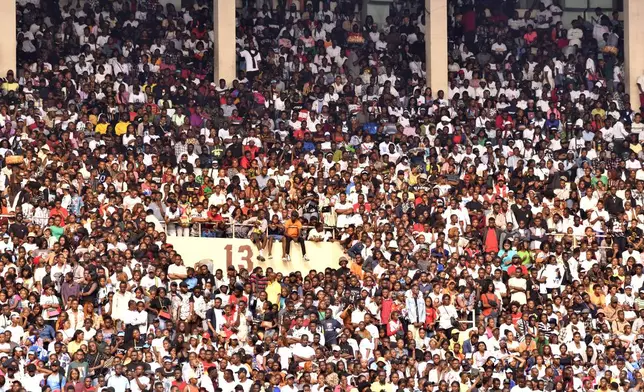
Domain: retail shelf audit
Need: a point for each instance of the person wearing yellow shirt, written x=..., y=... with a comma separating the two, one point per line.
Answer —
x=121, y=127
x=273, y=290
x=381, y=384
x=634, y=145
x=597, y=296
x=101, y=127
x=93, y=118
x=598, y=110
x=10, y=84
x=76, y=342
x=528, y=344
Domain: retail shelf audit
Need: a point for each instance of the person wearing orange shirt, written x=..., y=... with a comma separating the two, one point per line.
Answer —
x=597, y=296
x=292, y=232
x=528, y=344
x=58, y=210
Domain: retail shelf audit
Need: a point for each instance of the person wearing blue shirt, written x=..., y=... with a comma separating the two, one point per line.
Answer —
x=45, y=331
x=506, y=255
x=371, y=128
x=191, y=280
x=308, y=144
x=56, y=380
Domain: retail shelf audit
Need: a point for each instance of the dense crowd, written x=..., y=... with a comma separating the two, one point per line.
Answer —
x=493, y=232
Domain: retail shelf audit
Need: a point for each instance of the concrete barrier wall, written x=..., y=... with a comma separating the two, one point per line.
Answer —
x=241, y=253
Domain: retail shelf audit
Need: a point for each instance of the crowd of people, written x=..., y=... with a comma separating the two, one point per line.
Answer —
x=493, y=231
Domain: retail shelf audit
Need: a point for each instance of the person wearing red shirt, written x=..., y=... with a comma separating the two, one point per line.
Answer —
x=87, y=385
x=57, y=210
x=468, y=21
x=214, y=215
x=503, y=119
x=246, y=160
x=252, y=148
x=298, y=134
x=178, y=382
x=361, y=202
x=208, y=350
x=516, y=264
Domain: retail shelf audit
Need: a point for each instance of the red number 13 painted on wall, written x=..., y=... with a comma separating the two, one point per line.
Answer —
x=245, y=253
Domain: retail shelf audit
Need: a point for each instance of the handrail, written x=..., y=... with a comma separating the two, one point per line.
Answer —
x=306, y=227
x=333, y=229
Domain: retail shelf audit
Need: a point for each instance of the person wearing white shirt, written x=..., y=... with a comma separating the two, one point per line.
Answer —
x=633, y=164
x=460, y=213
x=118, y=381
x=446, y=313
x=344, y=211
x=132, y=199
x=516, y=23
x=140, y=382
x=177, y=271
x=499, y=47
x=245, y=382
x=333, y=51
x=252, y=59
x=521, y=386
x=31, y=381
x=589, y=201
x=150, y=279
x=120, y=302
x=17, y=332
x=137, y=316
x=599, y=217
x=303, y=351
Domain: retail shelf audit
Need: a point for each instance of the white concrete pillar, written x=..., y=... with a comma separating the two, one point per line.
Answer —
x=436, y=45
x=8, y=57
x=634, y=55
x=225, y=30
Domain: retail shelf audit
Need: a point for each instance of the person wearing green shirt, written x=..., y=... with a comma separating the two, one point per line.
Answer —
x=56, y=231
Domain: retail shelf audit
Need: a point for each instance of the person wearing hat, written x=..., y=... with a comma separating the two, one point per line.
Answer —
x=343, y=270
x=56, y=379
x=32, y=380
x=290, y=384
x=445, y=125
x=611, y=309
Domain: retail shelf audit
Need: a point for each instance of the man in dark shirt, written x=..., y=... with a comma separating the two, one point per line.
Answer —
x=343, y=270
x=613, y=203
x=474, y=204
x=204, y=276
x=185, y=165
x=331, y=327
x=236, y=148
x=18, y=228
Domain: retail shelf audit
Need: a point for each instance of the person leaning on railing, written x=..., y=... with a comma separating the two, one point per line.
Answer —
x=317, y=234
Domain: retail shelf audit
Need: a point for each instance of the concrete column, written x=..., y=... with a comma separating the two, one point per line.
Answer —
x=633, y=56
x=225, y=35
x=8, y=57
x=436, y=45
